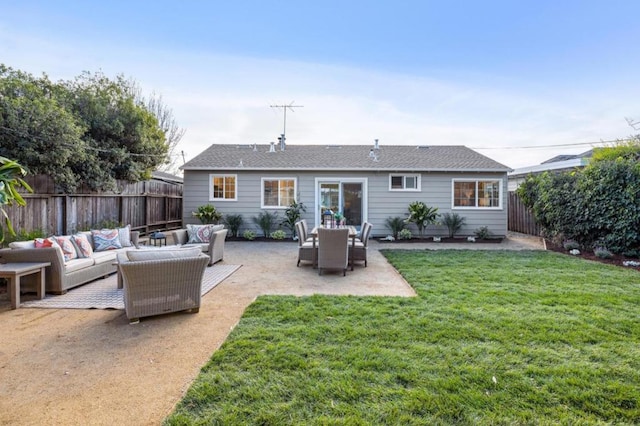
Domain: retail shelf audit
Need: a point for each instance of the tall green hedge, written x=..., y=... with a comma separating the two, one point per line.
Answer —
x=598, y=206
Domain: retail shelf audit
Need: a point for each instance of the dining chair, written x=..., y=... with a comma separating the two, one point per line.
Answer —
x=360, y=247
x=333, y=249
x=305, y=248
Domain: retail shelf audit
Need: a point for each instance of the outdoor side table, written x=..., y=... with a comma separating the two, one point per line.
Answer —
x=14, y=271
x=158, y=239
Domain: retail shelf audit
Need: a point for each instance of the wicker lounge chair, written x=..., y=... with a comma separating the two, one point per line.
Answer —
x=154, y=287
x=360, y=247
x=305, y=248
x=333, y=250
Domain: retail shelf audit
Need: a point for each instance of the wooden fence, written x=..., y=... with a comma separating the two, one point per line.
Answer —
x=520, y=217
x=148, y=206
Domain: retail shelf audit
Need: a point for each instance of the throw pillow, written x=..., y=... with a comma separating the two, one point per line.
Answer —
x=106, y=239
x=152, y=254
x=199, y=233
x=68, y=247
x=124, y=234
x=45, y=242
x=83, y=245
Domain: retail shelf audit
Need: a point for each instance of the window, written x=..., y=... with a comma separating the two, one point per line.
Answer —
x=223, y=188
x=278, y=192
x=404, y=182
x=477, y=193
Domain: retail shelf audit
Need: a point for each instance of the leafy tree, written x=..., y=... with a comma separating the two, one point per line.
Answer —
x=91, y=130
x=11, y=174
x=422, y=215
x=37, y=130
x=122, y=137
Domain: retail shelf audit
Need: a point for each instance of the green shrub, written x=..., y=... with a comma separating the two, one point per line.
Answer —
x=422, y=215
x=266, y=221
x=278, y=234
x=405, y=234
x=482, y=233
x=22, y=235
x=292, y=214
x=395, y=225
x=602, y=253
x=233, y=222
x=249, y=235
x=570, y=245
x=596, y=204
x=207, y=214
x=453, y=222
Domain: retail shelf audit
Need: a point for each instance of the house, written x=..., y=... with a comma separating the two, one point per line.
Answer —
x=365, y=183
x=557, y=164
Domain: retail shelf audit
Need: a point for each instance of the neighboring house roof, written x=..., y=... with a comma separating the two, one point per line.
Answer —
x=565, y=157
x=344, y=158
x=166, y=177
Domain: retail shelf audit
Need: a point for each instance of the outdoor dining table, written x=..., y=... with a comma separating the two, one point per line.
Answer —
x=353, y=232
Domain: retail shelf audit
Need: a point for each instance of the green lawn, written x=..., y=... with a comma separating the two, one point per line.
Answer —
x=494, y=337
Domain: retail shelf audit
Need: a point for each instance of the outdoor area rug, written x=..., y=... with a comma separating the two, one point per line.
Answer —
x=103, y=294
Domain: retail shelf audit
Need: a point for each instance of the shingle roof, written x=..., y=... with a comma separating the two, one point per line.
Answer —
x=343, y=157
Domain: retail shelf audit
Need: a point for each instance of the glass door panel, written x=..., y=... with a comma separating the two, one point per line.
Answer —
x=352, y=203
x=329, y=198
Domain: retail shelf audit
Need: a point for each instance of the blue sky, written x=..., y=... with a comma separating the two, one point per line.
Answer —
x=514, y=80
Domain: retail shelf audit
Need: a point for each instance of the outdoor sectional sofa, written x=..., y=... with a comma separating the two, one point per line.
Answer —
x=64, y=274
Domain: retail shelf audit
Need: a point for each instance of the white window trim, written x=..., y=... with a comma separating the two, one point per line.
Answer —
x=295, y=191
x=223, y=175
x=404, y=176
x=476, y=207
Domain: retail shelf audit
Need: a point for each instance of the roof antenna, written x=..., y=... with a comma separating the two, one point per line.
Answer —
x=290, y=106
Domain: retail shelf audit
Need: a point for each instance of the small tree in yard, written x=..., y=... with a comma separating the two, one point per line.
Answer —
x=422, y=215
x=11, y=174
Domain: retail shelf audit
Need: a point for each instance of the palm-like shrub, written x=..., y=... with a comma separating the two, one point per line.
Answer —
x=207, y=214
x=422, y=215
x=234, y=222
x=395, y=225
x=266, y=221
x=453, y=222
x=11, y=174
x=292, y=214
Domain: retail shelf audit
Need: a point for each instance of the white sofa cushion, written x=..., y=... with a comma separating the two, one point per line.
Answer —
x=137, y=255
x=77, y=264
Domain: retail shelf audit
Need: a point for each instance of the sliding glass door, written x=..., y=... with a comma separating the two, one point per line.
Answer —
x=347, y=196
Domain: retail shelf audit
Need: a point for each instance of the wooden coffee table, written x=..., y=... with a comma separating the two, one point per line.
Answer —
x=14, y=271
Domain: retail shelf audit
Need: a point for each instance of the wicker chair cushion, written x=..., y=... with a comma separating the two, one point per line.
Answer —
x=137, y=255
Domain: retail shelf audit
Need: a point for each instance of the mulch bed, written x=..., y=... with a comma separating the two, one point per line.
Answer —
x=616, y=260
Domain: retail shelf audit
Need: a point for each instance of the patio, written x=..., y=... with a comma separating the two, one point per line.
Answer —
x=90, y=366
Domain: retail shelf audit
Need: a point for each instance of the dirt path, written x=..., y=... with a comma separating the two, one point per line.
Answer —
x=61, y=367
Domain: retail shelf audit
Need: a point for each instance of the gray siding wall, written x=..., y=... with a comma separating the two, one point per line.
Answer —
x=436, y=191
